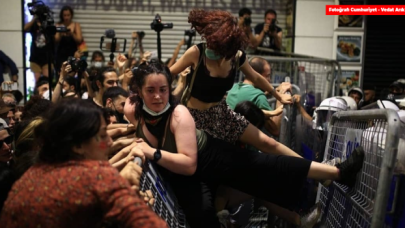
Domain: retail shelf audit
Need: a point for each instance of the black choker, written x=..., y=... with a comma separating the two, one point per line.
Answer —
x=156, y=124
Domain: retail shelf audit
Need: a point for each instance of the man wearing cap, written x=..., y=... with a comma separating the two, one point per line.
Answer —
x=357, y=94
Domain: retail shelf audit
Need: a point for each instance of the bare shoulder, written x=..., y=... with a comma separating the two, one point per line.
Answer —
x=181, y=115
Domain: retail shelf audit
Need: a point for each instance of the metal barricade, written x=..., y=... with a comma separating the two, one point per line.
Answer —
x=315, y=79
x=366, y=204
x=165, y=201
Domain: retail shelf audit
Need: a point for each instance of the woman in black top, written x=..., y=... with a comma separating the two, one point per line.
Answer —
x=169, y=138
x=220, y=60
x=67, y=41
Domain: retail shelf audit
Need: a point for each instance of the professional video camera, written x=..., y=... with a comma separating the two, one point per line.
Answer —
x=77, y=65
x=158, y=26
x=44, y=15
x=247, y=21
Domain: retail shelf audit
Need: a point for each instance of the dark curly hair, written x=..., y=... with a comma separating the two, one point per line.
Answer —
x=138, y=80
x=69, y=123
x=220, y=30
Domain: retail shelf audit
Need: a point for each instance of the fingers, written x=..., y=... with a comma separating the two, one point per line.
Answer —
x=137, y=152
x=147, y=197
x=135, y=188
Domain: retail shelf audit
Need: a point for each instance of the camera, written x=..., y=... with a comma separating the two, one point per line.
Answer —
x=247, y=21
x=62, y=29
x=77, y=65
x=158, y=26
x=141, y=34
x=189, y=32
x=272, y=26
x=44, y=15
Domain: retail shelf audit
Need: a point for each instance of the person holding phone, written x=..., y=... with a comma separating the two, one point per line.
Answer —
x=67, y=41
x=268, y=34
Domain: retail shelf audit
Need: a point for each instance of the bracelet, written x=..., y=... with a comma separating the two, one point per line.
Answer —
x=61, y=83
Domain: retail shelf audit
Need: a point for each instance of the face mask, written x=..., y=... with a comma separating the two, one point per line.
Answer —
x=211, y=54
x=97, y=64
x=153, y=113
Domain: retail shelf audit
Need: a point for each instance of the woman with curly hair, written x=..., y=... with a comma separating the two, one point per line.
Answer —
x=217, y=62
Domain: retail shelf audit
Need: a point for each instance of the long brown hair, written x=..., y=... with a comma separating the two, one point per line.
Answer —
x=220, y=30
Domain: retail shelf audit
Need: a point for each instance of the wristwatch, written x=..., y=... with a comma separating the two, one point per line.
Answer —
x=157, y=155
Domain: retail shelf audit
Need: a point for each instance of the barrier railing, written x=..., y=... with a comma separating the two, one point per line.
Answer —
x=315, y=79
x=366, y=204
x=165, y=201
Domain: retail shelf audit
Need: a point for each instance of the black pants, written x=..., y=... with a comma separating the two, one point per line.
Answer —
x=277, y=179
x=195, y=197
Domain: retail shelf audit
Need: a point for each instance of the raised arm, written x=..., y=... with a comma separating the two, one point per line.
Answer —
x=28, y=26
x=189, y=58
x=176, y=53
x=261, y=83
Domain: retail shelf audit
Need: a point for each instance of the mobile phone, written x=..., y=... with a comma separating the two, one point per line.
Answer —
x=108, y=44
x=10, y=87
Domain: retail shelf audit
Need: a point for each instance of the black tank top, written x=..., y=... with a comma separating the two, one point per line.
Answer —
x=212, y=89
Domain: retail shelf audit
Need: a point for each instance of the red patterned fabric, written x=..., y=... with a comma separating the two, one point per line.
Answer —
x=75, y=194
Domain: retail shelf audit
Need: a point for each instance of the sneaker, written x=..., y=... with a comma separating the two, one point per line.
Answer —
x=310, y=219
x=223, y=218
x=331, y=162
x=349, y=168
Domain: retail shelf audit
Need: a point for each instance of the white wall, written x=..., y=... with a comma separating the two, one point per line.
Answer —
x=314, y=29
x=11, y=42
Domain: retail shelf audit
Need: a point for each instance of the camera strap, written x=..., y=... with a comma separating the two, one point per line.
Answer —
x=187, y=92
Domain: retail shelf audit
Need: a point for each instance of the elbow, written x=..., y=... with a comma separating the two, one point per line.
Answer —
x=190, y=170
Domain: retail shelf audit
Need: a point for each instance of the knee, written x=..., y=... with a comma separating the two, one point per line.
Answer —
x=266, y=141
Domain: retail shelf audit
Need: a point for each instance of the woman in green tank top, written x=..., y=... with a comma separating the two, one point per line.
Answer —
x=190, y=157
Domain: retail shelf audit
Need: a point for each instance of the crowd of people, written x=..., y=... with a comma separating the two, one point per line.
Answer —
x=67, y=160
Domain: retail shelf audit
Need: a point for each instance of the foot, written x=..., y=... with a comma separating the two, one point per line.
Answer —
x=331, y=162
x=310, y=219
x=349, y=168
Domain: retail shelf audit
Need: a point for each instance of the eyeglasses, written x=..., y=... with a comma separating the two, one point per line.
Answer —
x=7, y=140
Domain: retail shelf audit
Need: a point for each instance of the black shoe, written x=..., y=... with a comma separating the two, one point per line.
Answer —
x=350, y=167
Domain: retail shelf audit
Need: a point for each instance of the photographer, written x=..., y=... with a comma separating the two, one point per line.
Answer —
x=67, y=42
x=268, y=34
x=39, y=47
x=244, y=23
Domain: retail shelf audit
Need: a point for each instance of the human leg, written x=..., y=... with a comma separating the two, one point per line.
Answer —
x=196, y=199
x=45, y=70
x=253, y=136
x=277, y=179
x=36, y=69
